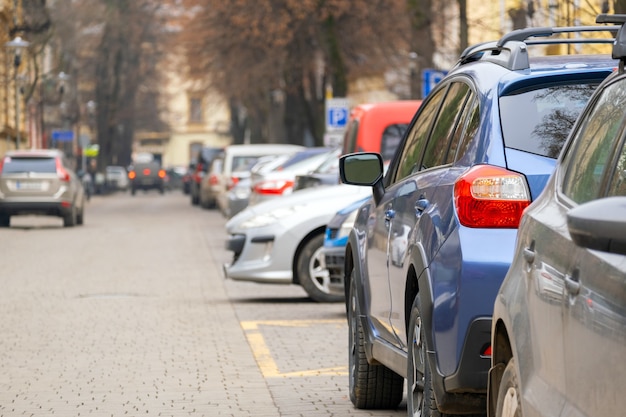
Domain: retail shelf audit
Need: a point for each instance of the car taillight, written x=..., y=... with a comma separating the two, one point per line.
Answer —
x=1, y=165
x=146, y=171
x=491, y=197
x=162, y=173
x=132, y=175
x=213, y=180
x=62, y=172
x=232, y=182
x=274, y=187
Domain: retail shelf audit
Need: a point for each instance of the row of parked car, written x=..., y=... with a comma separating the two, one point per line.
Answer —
x=478, y=242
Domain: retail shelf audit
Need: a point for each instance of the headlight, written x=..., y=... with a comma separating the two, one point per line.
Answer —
x=346, y=226
x=266, y=219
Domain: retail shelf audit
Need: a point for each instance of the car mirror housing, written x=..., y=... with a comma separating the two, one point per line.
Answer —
x=599, y=225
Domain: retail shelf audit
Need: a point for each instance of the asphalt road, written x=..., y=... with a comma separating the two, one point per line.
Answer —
x=129, y=315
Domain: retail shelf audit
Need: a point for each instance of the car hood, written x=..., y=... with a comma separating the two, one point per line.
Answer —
x=331, y=199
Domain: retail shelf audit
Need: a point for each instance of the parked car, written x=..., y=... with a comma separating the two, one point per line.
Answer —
x=239, y=195
x=559, y=320
x=378, y=127
x=325, y=174
x=200, y=168
x=40, y=182
x=279, y=241
x=147, y=176
x=187, y=178
x=280, y=181
x=335, y=241
x=116, y=178
x=481, y=146
x=213, y=191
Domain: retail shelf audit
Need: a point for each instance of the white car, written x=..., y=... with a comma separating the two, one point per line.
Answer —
x=281, y=241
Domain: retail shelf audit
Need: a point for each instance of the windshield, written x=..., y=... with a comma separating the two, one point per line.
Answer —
x=548, y=116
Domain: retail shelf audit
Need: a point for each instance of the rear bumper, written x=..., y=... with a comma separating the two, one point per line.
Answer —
x=49, y=208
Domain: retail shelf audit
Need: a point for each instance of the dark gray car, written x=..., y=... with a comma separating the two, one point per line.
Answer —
x=559, y=322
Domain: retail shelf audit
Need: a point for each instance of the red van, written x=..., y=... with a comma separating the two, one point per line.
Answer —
x=378, y=127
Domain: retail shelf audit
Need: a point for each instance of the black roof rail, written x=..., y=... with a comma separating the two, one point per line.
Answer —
x=510, y=51
x=524, y=34
x=619, y=46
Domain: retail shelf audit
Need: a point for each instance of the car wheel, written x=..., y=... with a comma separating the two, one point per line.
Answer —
x=420, y=396
x=70, y=219
x=5, y=220
x=80, y=218
x=508, y=402
x=133, y=191
x=313, y=275
x=371, y=386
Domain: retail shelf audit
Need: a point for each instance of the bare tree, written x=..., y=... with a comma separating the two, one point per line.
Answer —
x=272, y=55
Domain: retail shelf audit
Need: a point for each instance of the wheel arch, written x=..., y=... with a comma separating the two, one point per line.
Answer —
x=294, y=262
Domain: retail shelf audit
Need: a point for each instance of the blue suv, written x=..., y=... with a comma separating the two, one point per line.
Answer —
x=480, y=148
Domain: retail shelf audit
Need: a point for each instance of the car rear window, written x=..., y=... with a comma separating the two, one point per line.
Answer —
x=539, y=121
x=14, y=165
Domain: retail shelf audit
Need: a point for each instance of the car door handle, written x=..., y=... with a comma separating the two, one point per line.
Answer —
x=572, y=283
x=389, y=214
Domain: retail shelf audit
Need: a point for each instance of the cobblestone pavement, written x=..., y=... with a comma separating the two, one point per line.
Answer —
x=129, y=315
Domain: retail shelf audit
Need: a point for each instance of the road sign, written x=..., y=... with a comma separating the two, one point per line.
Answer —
x=430, y=78
x=63, y=135
x=337, y=113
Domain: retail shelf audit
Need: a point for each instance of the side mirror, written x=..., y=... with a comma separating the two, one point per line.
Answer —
x=364, y=168
x=599, y=225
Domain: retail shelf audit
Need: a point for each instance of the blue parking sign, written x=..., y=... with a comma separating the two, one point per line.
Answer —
x=430, y=78
x=337, y=113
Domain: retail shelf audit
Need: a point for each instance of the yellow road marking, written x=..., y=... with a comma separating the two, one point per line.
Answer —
x=263, y=355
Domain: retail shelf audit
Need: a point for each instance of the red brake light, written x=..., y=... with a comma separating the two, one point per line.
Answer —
x=146, y=171
x=162, y=173
x=1, y=164
x=132, y=175
x=491, y=197
x=233, y=181
x=62, y=172
x=274, y=187
x=213, y=180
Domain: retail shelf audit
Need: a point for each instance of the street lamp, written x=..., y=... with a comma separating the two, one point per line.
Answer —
x=18, y=45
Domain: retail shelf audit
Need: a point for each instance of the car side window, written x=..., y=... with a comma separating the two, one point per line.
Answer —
x=464, y=127
x=468, y=134
x=411, y=153
x=595, y=145
x=443, y=129
x=617, y=187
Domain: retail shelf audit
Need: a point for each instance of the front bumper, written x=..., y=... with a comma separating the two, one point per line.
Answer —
x=260, y=257
x=335, y=257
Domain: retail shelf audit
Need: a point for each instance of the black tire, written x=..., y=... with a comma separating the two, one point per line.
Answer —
x=70, y=219
x=80, y=218
x=5, y=220
x=508, y=403
x=195, y=200
x=420, y=398
x=133, y=191
x=162, y=190
x=371, y=386
x=313, y=275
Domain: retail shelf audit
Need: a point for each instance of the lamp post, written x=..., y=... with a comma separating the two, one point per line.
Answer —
x=18, y=45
